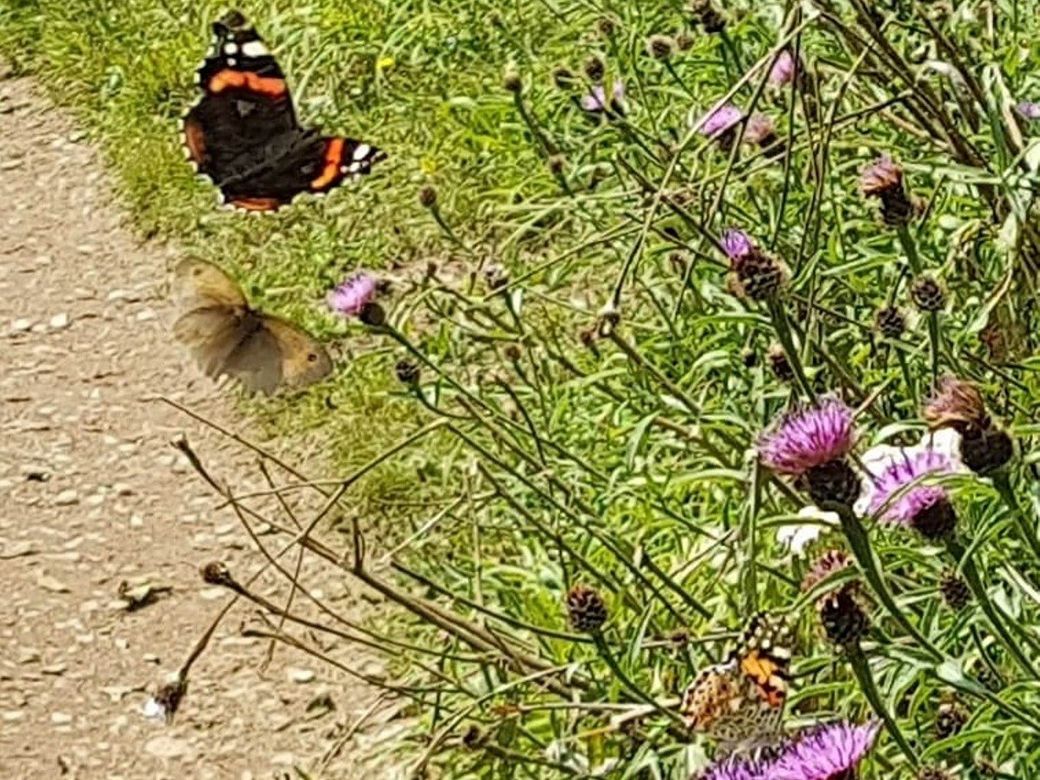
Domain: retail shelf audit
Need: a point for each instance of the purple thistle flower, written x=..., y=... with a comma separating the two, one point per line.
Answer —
x=736, y=243
x=1028, y=110
x=353, y=294
x=721, y=120
x=760, y=130
x=891, y=477
x=596, y=101
x=809, y=437
x=829, y=752
x=784, y=69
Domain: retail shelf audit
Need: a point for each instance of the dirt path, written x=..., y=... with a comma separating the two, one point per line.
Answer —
x=92, y=495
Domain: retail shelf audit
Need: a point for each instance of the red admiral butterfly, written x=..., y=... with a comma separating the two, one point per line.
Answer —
x=243, y=133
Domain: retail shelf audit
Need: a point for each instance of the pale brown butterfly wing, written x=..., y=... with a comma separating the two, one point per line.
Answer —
x=201, y=285
x=303, y=360
x=226, y=336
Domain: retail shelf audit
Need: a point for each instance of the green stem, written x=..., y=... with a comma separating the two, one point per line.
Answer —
x=861, y=668
x=995, y=617
x=783, y=332
x=1026, y=527
x=861, y=549
x=933, y=338
x=626, y=681
x=910, y=248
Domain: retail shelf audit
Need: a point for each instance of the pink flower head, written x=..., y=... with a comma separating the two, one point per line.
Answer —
x=736, y=244
x=352, y=295
x=760, y=129
x=892, y=476
x=596, y=101
x=809, y=437
x=784, y=69
x=1028, y=110
x=881, y=176
x=830, y=752
x=720, y=120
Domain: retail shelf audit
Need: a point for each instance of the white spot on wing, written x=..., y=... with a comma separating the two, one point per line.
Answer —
x=231, y=61
x=361, y=152
x=231, y=48
x=254, y=49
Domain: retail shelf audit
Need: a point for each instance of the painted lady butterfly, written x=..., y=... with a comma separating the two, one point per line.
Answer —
x=740, y=702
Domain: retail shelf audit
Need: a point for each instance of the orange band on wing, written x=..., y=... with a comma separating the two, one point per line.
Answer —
x=195, y=140
x=330, y=172
x=239, y=79
x=256, y=204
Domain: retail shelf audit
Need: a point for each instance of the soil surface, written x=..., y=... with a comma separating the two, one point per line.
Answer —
x=93, y=495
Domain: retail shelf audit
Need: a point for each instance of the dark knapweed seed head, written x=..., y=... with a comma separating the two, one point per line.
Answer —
x=606, y=26
x=843, y=618
x=749, y=357
x=950, y=718
x=935, y=521
x=890, y=322
x=372, y=314
x=557, y=164
x=759, y=277
x=928, y=293
x=779, y=364
x=169, y=697
x=933, y=773
x=834, y=482
x=660, y=47
x=707, y=15
x=513, y=352
x=595, y=68
x=883, y=179
x=473, y=737
x=954, y=590
x=407, y=372
x=511, y=80
x=564, y=78
x=427, y=196
x=987, y=450
x=684, y=41
x=216, y=573
x=586, y=610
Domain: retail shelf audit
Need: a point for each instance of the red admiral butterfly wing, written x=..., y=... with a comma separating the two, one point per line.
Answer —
x=243, y=133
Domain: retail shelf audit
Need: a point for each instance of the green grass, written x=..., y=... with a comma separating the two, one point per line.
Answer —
x=614, y=446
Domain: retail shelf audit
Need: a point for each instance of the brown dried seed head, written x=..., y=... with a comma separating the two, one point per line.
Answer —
x=956, y=404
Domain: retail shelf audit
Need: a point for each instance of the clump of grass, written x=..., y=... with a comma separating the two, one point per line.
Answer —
x=598, y=512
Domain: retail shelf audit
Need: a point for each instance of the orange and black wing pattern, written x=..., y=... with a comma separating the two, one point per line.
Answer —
x=740, y=702
x=243, y=133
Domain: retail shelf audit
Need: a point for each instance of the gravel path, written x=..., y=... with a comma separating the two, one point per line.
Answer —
x=92, y=495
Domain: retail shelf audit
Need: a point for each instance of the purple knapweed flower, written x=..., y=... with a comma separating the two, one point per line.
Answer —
x=720, y=120
x=1028, y=110
x=353, y=294
x=881, y=176
x=890, y=477
x=784, y=69
x=596, y=101
x=760, y=130
x=736, y=244
x=830, y=752
x=809, y=437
